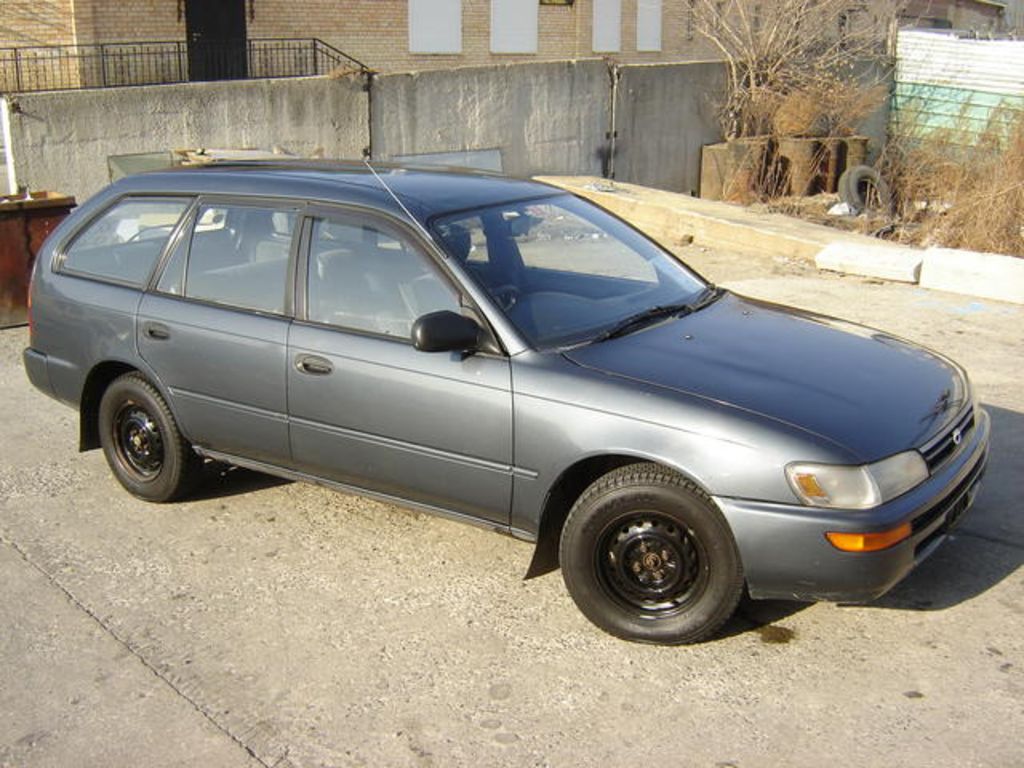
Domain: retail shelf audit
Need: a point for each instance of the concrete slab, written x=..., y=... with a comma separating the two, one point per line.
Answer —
x=871, y=259
x=989, y=275
x=672, y=217
x=72, y=694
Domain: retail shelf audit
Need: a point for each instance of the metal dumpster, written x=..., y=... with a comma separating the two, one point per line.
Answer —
x=24, y=224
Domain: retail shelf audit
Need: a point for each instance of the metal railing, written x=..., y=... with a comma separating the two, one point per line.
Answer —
x=69, y=67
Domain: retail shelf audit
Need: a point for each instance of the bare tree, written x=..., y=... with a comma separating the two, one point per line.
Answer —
x=803, y=50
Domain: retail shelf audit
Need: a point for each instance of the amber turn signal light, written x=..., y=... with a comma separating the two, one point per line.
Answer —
x=868, y=542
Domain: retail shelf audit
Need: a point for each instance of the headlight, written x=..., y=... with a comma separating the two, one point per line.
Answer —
x=863, y=487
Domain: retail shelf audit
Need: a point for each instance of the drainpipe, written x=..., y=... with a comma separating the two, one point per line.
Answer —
x=612, y=135
x=367, y=77
x=5, y=131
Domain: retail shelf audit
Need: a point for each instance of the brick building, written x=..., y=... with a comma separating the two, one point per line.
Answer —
x=983, y=16
x=394, y=35
x=387, y=35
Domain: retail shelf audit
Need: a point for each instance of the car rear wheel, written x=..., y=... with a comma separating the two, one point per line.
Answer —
x=647, y=556
x=142, y=443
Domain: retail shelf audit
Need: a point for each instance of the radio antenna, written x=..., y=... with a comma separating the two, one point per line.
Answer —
x=413, y=219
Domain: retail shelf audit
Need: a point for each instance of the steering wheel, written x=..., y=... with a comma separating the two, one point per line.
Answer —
x=507, y=295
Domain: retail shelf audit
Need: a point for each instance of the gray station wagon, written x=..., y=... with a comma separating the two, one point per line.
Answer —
x=507, y=354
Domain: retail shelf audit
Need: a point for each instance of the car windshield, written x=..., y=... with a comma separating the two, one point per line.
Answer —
x=566, y=272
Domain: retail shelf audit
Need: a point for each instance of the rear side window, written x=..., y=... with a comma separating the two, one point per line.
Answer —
x=239, y=256
x=124, y=242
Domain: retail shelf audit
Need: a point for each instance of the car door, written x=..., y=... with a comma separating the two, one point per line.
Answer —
x=215, y=328
x=368, y=409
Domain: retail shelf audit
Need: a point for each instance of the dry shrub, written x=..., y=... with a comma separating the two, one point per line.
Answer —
x=799, y=114
x=829, y=104
x=957, y=190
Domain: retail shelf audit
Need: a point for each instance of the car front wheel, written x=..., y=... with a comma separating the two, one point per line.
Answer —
x=647, y=556
x=142, y=443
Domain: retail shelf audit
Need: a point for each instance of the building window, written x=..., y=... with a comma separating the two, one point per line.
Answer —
x=648, y=25
x=691, y=20
x=513, y=26
x=435, y=26
x=607, y=26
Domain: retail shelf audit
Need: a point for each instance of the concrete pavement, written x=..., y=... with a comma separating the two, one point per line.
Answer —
x=269, y=623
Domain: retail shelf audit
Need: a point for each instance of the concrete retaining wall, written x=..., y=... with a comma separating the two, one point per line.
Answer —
x=544, y=118
x=876, y=125
x=665, y=113
x=62, y=140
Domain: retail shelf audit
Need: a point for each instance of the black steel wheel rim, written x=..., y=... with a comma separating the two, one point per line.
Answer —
x=651, y=564
x=139, y=443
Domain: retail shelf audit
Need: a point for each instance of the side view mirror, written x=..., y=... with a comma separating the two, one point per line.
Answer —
x=445, y=331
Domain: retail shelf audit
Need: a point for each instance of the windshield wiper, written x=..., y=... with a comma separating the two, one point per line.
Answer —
x=709, y=295
x=647, y=316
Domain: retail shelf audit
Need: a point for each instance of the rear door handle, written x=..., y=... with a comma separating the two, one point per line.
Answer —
x=157, y=331
x=313, y=364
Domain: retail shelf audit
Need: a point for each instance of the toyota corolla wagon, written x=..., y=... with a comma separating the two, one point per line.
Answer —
x=507, y=354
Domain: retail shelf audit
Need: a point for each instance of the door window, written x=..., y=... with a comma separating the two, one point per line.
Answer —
x=366, y=277
x=239, y=256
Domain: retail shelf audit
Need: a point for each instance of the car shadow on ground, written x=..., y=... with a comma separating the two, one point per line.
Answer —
x=220, y=481
x=988, y=546
x=762, y=617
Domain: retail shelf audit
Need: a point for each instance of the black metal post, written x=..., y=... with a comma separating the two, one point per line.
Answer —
x=103, y=65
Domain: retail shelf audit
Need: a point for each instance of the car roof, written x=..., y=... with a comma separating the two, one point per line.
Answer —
x=425, y=191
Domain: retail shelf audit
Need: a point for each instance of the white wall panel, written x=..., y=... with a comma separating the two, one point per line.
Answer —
x=514, y=26
x=435, y=26
x=648, y=25
x=607, y=36
x=929, y=58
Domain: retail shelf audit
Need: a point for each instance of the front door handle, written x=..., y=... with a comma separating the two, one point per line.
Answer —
x=313, y=364
x=157, y=331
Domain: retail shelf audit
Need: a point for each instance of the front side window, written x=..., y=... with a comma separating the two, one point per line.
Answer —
x=239, y=256
x=125, y=241
x=563, y=270
x=365, y=277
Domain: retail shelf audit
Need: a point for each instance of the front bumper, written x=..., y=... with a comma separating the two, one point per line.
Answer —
x=786, y=555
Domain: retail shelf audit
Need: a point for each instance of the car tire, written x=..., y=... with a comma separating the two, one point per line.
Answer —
x=647, y=556
x=142, y=442
x=862, y=187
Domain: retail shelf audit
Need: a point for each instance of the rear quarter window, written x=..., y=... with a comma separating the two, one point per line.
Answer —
x=125, y=241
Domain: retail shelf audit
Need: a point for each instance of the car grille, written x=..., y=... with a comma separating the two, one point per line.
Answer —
x=941, y=449
x=950, y=509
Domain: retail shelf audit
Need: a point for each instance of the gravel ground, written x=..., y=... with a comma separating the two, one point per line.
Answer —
x=266, y=623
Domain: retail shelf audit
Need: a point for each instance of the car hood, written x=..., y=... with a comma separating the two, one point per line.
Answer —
x=862, y=389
